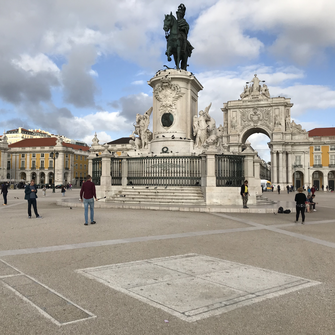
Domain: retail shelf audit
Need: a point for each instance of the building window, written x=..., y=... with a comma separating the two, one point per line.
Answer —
x=317, y=148
x=33, y=164
x=67, y=155
x=316, y=174
x=81, y=157
x=85, y=167
x=76, y=166
x=8, y=165
x=22, y=155
x=42, y=164
x=297, y=160
x=51, y=164
x=22, y=164
x=34, y=155
x=317, y=159
x=67, y=164
x=42, y=155
x=332, y=148
x=77, y=157
x=332, y=159
x=81, y=166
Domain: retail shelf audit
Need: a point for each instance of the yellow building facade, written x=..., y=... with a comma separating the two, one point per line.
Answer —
x=33, y=159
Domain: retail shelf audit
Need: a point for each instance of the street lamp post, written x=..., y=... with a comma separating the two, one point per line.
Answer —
x=54, y=154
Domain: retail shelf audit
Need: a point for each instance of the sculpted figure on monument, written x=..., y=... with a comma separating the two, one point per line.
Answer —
x=277, y=121
x=176, y=31
x=141, y=129
x=246, y=92
x=265, y=91
x=255, y=90
x=204, y=128
x=288, y=123
x=296, y=128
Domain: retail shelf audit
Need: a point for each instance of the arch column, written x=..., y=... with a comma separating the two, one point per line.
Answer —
x=325, y=180
x=280, y=171
x=273, y=167
x=289, y=168
x=306, y=165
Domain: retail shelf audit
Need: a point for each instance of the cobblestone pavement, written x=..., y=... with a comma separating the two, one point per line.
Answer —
x=164, y=272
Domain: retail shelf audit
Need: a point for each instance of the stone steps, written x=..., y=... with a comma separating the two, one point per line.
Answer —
x=159, y=195
x=261, y=200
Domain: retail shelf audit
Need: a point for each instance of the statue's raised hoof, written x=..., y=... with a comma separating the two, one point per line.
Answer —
x=169, y=59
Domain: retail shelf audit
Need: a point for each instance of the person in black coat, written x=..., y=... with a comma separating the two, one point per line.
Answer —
x=4, y=192
x=300, y=199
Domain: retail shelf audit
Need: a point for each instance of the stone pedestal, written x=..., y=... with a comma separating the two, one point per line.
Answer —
x=175, y=103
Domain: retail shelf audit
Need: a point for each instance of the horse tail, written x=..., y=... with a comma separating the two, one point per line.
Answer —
x=189, y=48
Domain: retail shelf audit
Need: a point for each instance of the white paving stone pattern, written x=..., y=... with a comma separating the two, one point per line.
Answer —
x=194, y=287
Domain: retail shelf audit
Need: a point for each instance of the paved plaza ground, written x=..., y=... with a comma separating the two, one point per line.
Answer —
x=165, y=272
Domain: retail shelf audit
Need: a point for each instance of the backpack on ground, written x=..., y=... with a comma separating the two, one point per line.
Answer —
x=287, y=211
x=280, y=210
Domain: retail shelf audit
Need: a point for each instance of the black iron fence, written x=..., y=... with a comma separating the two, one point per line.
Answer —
x=229, y=170
x=164, y=171
x=96, y=170
x=116, y=171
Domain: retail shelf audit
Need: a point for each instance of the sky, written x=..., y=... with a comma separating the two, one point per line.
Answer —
x=76, y=67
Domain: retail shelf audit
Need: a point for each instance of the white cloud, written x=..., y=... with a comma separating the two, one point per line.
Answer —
x=138, y=82
x=36, y=64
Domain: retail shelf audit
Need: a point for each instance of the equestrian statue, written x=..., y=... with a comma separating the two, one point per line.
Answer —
x=176, y=31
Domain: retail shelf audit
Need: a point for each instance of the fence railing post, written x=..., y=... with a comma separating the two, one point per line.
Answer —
x=124, y=172
x=210, y=169
x=105, y=179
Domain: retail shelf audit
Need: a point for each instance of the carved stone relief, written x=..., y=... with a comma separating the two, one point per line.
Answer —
x=167, y=94
x=256, y=117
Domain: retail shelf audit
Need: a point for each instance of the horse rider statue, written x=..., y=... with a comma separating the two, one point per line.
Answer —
x=177, y=43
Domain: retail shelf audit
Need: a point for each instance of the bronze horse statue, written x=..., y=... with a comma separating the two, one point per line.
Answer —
x=177, y=43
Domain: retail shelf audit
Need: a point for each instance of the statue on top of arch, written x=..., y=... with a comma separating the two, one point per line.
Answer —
x=254, y=90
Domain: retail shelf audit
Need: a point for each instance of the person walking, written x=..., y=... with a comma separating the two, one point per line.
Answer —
x=4, y=192
x=300, y=199
x=244, y=193
x=31, y=195
x=88, y=192
x=313, y=190
x=44, y=191
x=288, y=189
x=278, y=189
x=63, y=190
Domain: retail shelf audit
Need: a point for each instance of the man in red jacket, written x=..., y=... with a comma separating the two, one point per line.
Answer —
x=88, y=191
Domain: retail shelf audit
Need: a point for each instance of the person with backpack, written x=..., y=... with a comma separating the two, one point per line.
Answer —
x=300, y=199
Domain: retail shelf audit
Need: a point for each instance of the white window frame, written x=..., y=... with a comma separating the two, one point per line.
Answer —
x=317, y=159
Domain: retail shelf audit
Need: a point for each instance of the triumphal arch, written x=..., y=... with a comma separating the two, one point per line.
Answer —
x=257, y=112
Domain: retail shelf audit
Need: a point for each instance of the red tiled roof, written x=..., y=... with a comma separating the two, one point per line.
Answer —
x=44, y=142
x=76, y=146
x=322, y=132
